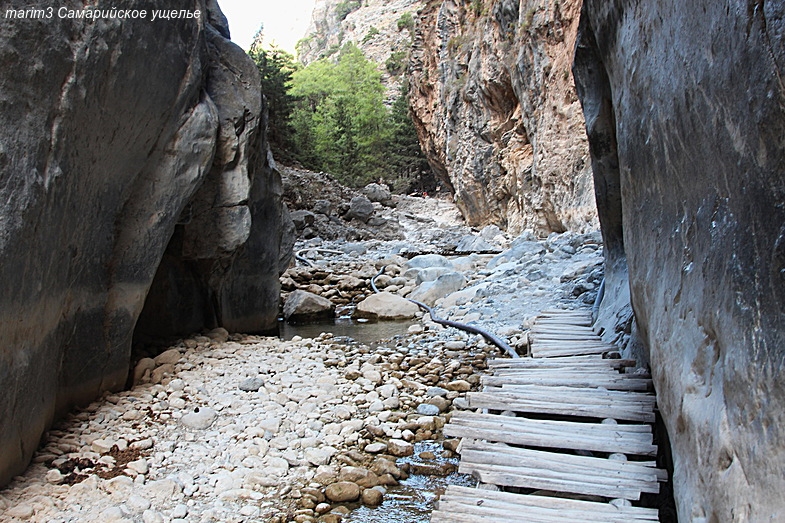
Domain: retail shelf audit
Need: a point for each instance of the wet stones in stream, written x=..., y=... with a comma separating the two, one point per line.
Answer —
x=246, y=428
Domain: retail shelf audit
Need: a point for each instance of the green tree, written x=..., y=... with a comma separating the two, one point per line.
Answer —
x=406, y=22
x=340, y=121
x=406, y=159
x=276, y=68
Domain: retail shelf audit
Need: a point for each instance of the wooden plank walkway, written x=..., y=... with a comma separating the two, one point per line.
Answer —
x=565, y=334
x=564, y=421
x=469, y=505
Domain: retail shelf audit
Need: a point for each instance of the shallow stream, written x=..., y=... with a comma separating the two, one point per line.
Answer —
x=414, y=498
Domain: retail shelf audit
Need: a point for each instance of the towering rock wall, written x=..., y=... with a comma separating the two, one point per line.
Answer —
x=685, y=112
x=110, y=129
x=373, y=25
x=497, y=114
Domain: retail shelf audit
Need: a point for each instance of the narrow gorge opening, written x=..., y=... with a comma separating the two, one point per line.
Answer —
x=599, y=185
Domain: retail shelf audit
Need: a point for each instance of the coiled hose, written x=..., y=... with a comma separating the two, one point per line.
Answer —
x=491, y=337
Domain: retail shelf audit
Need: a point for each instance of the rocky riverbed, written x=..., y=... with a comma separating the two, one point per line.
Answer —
x=232, y=427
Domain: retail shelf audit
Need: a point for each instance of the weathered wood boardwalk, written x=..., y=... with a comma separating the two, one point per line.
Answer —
x=565, y=422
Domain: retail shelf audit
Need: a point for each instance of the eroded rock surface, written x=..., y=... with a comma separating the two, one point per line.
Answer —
x=497, y=114
x=685, y=117
x=119, y=136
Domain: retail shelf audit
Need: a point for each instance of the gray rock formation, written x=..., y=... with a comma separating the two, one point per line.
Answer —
x=497, y=115
x=386, y=306
x=685, y=113
x=303, y=306
x=132, y=159
x=360, y=208
x=377, y=192
x=430, y=291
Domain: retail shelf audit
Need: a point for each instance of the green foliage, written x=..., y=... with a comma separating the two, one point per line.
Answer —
x=396, y=63
x=339, y=117
x=276, y=68
x=303, y=43
x=406, y=22
x=343, y=9
x=408, y=165
x=477, y=7
x=330, y=51
x=342, y=126
x=373, y=31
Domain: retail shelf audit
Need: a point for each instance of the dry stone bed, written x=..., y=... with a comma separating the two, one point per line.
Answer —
x=247, y=428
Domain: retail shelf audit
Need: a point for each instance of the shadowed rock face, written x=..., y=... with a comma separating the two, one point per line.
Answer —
x=111, y=129
x=497, y=115
x=685, y=112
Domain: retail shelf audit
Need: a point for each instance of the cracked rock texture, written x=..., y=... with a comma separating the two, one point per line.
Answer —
x=685, y=113
x=124, y=143
x=497, y=114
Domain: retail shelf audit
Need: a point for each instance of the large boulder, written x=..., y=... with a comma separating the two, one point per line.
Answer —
x=430, y=291
x=302, y=306
x=377, y=192
x=424, y=261
x=472, y=243
x=685, y=114
x=429, y=274
x=360, y=208
x=302, y=218
x=386, y=306
x=133, y=169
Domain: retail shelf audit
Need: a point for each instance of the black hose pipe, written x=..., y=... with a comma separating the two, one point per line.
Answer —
x=491, y=337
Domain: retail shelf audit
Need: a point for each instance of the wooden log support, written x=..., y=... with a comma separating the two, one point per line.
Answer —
x=471, y=505
x=538, y=430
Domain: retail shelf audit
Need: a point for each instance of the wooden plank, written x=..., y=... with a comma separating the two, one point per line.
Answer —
x=559, y=351
x=561, y=370
x=560, y=329
x=588, y=428
x=568, y=342
x=517, y=467
x=501, y=454
x=568, y=334
x=618, y=382
x=564, y=323
x=569, y=362
x=517, y=402
x=574, y=395
x=483, y=509
x=533, y=509
x=540, y=478
x=552, y=434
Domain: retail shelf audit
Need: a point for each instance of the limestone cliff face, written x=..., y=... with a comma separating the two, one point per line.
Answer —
x=685, y=113
x=497, y=114
x=372, y=25
x=113, y=132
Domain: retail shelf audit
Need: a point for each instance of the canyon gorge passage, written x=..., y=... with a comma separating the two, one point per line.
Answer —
x=623, y=158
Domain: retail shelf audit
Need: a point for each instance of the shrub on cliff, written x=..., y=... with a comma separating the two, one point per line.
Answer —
x=276, y=67
x=339, y=118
